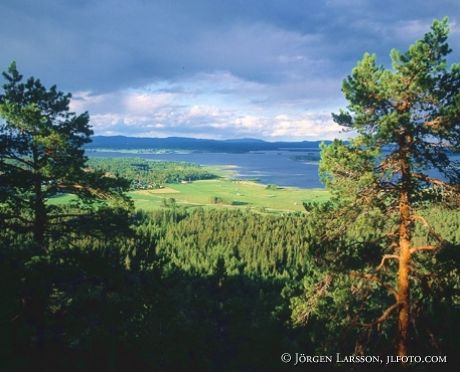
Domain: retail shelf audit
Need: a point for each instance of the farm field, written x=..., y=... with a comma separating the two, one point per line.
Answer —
x=222, y=193
x=228, y=194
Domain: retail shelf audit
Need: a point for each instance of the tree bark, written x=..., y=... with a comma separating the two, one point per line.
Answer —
x=404, y=258
x=403, y=275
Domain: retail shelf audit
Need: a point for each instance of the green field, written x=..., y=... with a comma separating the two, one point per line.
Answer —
x=229, y=194
x=221, y=192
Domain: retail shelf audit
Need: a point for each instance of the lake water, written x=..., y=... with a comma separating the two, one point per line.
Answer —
x=283, y=168
x=295, y=168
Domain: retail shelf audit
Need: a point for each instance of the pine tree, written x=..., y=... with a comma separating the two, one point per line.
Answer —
x=407, y=121
x=42, y=155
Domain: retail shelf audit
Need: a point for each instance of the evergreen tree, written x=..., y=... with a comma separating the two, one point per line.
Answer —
x=407, y=121
x=42, y=155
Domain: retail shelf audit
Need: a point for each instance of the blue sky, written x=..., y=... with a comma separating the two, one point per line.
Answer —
x=269, y=69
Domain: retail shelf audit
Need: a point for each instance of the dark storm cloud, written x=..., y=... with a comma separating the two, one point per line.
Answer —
x=289, y=54
x=106, y=44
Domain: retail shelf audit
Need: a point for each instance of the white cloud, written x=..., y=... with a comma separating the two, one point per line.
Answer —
x=409, y=30
x=305, y=126
x=250, y=123
x=217, y=105
x=146, y=102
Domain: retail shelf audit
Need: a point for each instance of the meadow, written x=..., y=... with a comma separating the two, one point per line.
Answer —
x=226, y=193
x=158, y=185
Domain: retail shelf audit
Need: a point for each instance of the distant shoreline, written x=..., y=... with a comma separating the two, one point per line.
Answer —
x=267, y=168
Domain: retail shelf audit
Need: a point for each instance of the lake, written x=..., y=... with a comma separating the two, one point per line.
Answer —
x=295, y=168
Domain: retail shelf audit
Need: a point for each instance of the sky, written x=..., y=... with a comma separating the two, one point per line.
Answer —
x=267, y=69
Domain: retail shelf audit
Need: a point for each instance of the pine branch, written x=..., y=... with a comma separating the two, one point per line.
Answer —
x=79, y=188
x=11, y=156
x=417, y=217
x=386, y=314
x=385, y=258
x=437, y=182
x=425, y=248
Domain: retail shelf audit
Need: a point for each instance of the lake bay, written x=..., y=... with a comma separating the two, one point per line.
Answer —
x=292, y=168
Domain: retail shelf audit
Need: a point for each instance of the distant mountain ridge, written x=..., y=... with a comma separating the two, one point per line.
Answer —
x=196, y=144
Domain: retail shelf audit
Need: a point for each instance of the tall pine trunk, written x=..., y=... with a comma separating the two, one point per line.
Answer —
x=404, y=251
x=403, y=275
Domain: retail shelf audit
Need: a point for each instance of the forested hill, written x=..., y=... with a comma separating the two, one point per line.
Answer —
x=194, y=144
